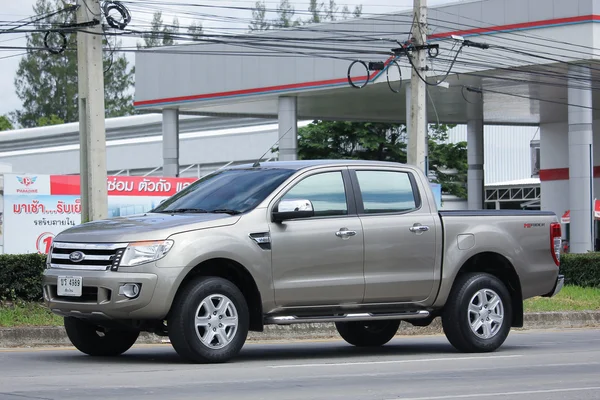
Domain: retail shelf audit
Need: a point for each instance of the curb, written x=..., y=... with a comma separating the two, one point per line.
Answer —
x=56, y=336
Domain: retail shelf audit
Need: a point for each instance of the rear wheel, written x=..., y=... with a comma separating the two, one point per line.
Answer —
x=478, y=315
x=209, y=321
x=97, y=341
x=368, y=333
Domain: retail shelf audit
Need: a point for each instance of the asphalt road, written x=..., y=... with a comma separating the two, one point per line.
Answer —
x=531, y=365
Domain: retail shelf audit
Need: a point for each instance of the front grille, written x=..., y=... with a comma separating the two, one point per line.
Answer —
x=86, y=256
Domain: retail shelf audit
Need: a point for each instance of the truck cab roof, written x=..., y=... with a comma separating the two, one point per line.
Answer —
x=303, y=164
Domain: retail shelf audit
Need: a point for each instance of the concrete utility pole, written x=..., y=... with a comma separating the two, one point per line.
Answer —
x=417, y=136
x=92, y=135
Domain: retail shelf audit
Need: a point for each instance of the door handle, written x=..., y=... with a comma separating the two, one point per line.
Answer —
x=344, y=233
x=418, y=228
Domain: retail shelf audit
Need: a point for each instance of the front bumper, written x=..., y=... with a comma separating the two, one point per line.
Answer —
x=560, y=283
x=101, y=299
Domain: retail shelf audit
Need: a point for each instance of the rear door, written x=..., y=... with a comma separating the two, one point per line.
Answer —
x=400, y=235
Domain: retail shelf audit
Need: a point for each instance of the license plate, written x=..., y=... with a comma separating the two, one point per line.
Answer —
x=69, y=286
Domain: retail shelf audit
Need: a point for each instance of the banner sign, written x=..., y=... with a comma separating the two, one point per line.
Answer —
x=38, y=207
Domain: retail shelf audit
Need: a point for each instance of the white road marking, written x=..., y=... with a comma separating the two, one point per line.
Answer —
x=391, y=361
x=468, y=396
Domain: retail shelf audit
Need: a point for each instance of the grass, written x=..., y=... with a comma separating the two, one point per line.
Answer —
x=571, y=298
x=27, y=314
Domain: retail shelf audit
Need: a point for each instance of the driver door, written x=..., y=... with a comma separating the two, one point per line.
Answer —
x=318, y=261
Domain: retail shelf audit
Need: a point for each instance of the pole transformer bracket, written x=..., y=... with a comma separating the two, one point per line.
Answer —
x=432, y=49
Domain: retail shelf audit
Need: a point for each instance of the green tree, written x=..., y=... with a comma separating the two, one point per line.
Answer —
x=195, y=30
x=448, y=161
x=285, y=15
x=331, y=11
x=5, y=124
x=315, y=9
x=323, y=12
x=51, y=120
x=352, y=140
x=385, y=142
x=160, y=34
x=259, y=18
x=319, y=12
x=46, y=83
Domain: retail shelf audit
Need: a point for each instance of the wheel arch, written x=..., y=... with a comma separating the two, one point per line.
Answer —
x=236, y=273
x=499, y=266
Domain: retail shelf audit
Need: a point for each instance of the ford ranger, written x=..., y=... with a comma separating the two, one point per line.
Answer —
x=359, y=244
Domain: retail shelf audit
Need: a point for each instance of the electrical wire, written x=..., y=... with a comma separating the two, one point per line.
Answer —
x=113, y=22
x=387, y=75
x=204, y=5
x=39, y=18
x=259, y=41
x=476, y=89
x=183, y=4
x=529, y=36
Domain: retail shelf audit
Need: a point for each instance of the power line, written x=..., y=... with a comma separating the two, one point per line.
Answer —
x=498, y=28
x=269, y=47
x=477, y=89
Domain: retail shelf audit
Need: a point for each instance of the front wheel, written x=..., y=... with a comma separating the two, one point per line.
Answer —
x=368, y=333
x=478, y=315
x=209, y=321
x=96, y=341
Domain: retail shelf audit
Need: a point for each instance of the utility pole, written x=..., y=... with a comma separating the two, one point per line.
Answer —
x=92, y=135
x=417, y=137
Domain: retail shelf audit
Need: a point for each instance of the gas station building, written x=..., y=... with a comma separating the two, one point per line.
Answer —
x=540, y=70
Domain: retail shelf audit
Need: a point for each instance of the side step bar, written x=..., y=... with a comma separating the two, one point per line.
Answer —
x=291, y=319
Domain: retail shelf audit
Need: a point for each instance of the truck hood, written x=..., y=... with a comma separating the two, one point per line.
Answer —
x=142, y=227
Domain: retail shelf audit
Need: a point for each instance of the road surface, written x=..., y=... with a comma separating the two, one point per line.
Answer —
x=532, y=365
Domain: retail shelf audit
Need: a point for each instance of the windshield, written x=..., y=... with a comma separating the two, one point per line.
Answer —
x=230, y=191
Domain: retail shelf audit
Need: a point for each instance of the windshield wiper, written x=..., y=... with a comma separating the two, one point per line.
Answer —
x=225, y=211
x=183, y=210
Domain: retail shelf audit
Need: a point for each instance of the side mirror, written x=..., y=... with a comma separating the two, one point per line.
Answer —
x=293, y=209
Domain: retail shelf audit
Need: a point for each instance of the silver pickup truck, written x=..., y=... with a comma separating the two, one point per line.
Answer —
x=359, y=244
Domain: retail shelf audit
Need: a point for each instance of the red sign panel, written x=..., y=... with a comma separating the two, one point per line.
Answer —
x=123, y=185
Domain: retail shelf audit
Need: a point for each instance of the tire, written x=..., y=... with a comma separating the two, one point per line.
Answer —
x=471, y=323
x=205, y=304
x=96, y=341
x=368, y=333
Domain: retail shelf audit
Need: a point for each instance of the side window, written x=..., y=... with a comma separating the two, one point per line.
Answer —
x=386, y=191
x=326, y=191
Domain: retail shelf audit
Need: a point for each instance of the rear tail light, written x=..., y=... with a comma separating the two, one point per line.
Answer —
x=555, y=241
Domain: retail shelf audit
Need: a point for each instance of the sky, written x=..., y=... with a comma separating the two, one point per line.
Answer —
x=215, y=19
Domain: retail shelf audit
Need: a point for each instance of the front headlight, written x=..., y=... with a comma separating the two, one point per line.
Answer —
x=144, y=252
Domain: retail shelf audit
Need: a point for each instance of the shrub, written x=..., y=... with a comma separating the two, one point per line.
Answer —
x=21, y=276
x=581, y=269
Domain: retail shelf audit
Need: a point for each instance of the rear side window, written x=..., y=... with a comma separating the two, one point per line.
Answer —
x=386, y=191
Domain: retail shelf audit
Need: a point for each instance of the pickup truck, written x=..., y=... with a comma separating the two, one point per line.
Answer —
x=355, y=243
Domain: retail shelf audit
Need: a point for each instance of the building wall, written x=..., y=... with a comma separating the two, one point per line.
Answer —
x=506, y=151
x=554, y=152
x=144, y=154
x=301, y=60
x=507, y=154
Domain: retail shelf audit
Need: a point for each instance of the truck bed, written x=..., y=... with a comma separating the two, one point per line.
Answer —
x=520, y=238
